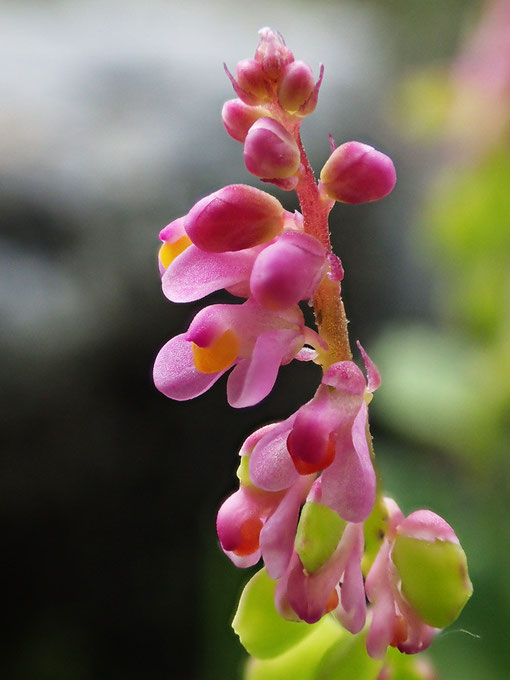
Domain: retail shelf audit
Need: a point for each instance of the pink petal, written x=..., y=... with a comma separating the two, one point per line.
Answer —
x=252, y=379
x=243, y=562
x=175, y=374
x=382, y=626
x=352, y=608
x=196, y=273
x=427, y=526
x=348, y=485
x=271, y=467
x=278, y=533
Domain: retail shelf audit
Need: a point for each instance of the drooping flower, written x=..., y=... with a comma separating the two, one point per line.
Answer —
x=417, y=584
x=327, y=434
x=248, y=337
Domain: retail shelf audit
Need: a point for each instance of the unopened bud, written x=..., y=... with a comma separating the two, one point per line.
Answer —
x=251, y=79
x=234, y=218
x=270, y=151
x=238, y=117
x=288, y=270
x=357, y=173
x=272, y=53
x=295, y=86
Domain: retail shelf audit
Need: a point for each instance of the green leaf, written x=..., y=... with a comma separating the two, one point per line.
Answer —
x=435, y=579
x=262, y=631
x=318, y=535
x=300, y=662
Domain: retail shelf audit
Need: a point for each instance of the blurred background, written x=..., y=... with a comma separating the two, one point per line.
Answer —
x=109, y=128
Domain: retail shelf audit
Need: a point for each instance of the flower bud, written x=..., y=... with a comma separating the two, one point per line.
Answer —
x=288, y=270
x=272, y=53
x=295, y=86
x=270, y=151
x=251, y=79
x=234, y=218
x=238, y=118
x=357, y=173
x=432, y=567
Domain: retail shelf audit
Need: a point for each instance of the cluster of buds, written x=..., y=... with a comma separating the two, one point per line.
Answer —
x=307, y=485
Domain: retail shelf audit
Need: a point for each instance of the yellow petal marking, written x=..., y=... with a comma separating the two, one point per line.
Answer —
x=169, y=251
x=218, y=356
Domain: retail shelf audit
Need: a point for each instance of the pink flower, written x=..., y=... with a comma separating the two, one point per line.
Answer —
x=311, y=595
x=327, y=434
x=248, y=337
x=417, y=584
x=270, y=151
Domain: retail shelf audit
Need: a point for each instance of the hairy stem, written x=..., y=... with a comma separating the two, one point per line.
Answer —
x=327, y=303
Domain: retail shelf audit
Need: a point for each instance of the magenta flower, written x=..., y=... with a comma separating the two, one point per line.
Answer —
x=307, y=596
x=248, y=337
x=418, y=582
x=288, y=269
x=327, y=434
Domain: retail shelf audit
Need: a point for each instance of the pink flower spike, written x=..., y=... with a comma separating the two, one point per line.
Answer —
x=270, y=151
x=287, y=271
x=234, y=218
x=295, y=86
x=373, y=375
x=357, y=173
x=238, y=118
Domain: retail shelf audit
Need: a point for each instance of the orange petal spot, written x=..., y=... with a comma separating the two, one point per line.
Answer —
x=332, y=602
x=306, y=468
x=169, y=251
x=218, y=356
x=400, y=632
x=250, y=531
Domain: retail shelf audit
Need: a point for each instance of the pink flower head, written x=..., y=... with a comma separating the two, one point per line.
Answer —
x=357, y=173
x=248, y=337
x=270, y=151
x=238, y=117
x=405, y=612
x=234, y=218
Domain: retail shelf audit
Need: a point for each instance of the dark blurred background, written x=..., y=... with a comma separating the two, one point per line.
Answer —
x=109, y=128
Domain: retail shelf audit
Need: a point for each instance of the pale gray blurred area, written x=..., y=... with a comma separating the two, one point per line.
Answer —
x=110, y=127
